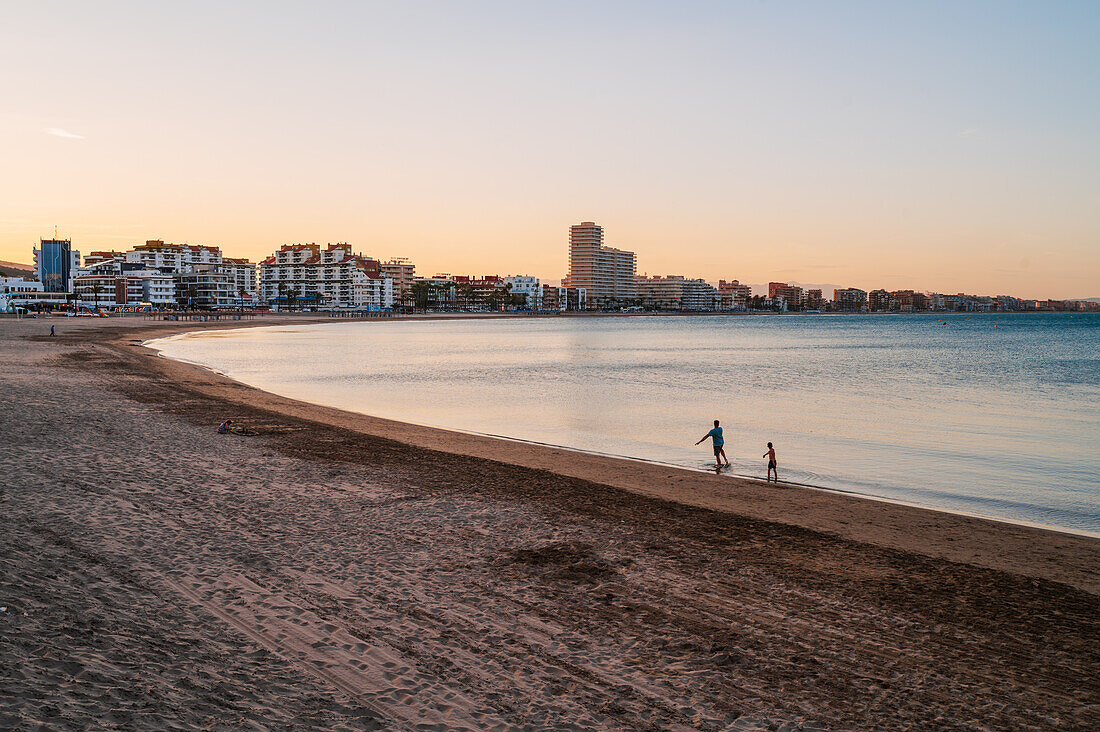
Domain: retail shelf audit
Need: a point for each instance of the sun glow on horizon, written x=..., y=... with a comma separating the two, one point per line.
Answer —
x=856, y=144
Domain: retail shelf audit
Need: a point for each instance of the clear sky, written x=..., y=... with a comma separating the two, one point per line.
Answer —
x=949, y=146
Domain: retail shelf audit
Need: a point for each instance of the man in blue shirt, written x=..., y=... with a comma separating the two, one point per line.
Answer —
x=716, y=436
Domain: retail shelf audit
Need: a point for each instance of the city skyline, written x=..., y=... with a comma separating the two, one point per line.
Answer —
x=943, y=147
x=599, y=276
x=758, y=288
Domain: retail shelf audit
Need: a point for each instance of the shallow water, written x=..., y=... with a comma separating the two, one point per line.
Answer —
x=945, y=411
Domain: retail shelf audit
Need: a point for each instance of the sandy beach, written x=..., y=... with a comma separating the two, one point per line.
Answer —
x=339, y=571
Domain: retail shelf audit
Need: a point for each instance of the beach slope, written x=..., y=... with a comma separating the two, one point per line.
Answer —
x=330, y=571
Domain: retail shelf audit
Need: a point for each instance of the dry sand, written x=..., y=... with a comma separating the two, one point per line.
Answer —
x=330, y=572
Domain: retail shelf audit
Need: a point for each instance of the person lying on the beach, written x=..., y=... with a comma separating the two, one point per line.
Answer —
x=716, y=436
x=770, y=455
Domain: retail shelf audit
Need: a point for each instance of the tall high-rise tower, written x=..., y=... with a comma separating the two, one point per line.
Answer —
x=604, y=272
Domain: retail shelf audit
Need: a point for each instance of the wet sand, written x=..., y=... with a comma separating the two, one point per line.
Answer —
x=333, y=571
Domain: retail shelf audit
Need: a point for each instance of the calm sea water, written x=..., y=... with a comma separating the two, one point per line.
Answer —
x=995, y=415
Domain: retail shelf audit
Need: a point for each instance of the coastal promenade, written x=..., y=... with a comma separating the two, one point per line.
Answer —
x=341, y=571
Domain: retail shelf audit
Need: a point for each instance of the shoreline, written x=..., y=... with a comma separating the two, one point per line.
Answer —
x=1082, y=533
x=955, y=536
x=336, y=570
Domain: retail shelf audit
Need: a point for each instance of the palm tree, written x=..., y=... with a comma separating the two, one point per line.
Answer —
x=422, y=294
x=96, y=289
x=405, y=297
x=191, y=292
x=291, y=297
x=240, y=296
x=466, y=294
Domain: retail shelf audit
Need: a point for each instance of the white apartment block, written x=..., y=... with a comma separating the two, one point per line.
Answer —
x=530, y=288
x=242, y=273
x=178, y=259
x=159, y=288
x=156, y=254
x=333, y=277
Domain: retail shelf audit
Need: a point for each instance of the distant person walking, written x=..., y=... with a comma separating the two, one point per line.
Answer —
x=716, y=437
x=770, y=455
x=51, y=330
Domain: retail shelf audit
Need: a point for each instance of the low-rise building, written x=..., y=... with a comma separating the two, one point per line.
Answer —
x=109, y=290
x=527, y=287
x=18, y=294
x=434, y=293
x=556, y=298
x=470, y=291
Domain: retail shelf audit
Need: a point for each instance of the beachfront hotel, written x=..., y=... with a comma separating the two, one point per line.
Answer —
x=605, y=273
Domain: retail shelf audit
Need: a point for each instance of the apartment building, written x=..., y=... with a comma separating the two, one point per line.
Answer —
x=879, y=301
x=790, y=294
x=472, y=291
x=561, y=299
x=734, y=295
x=111, y=259
x=675, y=292
x=908, y=301
x=332, y=277
x=157, y=254
x=606, y=274
x=242, y=273
x=527, y=287
x=108, y=290
x=849, y=300
x=435, y=293
x=206, y=286
x=403, y=274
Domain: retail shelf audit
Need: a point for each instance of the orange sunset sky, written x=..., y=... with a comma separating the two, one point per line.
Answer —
x=939, y=146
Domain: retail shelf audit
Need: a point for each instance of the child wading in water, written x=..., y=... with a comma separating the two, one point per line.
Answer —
x=770, y=455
